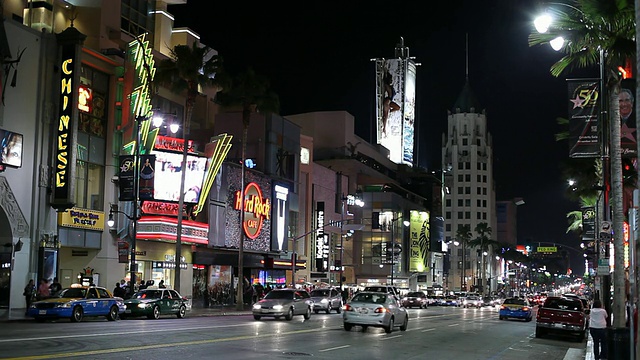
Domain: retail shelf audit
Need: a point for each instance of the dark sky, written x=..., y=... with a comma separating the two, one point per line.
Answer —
x=317, y=57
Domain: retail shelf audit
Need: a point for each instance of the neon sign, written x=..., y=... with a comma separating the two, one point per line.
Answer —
x=256, y=209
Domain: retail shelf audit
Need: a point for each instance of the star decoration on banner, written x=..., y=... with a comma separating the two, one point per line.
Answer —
x=577, y=102
x=627, y=132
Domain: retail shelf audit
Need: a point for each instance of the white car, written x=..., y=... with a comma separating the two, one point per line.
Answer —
x=472, y=301
x=284, y=302
x=379, y=309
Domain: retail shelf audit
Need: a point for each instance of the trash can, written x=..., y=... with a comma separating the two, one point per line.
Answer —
x=618, y=343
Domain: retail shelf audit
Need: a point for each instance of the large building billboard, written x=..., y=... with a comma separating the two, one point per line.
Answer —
x=419, y=241
x=395, y=107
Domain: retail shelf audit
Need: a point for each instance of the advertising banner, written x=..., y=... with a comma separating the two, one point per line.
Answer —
x=322, y=246
x=126, y=176
x=123, y=252
x=419, y=241
x=588, y=223
x=584, y=109
x=628, y=140
x=391, y=87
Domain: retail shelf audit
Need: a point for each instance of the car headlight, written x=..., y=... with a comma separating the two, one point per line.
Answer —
x=277, y=307
x=257, y=306
x=64, y=305
x=143, y=305
x=324, y=301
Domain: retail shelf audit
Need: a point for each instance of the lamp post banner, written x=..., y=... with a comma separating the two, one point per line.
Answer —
x=584, y=108
x=588, y=223
x=125, y=178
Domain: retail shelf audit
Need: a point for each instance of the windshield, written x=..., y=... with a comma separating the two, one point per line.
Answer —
x=148, y=294
x=414, y=294
x=320, y=293
x=370, y=298
x=514, y=302
x=279, y=295
x=71, y=293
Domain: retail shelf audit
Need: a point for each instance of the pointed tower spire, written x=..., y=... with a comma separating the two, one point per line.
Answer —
x=467, y=101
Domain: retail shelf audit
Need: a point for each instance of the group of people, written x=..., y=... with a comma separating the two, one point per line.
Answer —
x=121, y=288
x=43, y=291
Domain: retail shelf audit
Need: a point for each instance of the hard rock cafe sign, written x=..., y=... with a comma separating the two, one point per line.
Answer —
x=256, y=209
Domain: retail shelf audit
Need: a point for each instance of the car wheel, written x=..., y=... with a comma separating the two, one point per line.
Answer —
x=256, y=317
x=501, y=317
x=307, y=315
x=389, y=328
x=182, y=312
x=347, y=327
x=339, y=309
x=155, y=313
x=316, y=311
x=405, y=324
x=539, y=332
x=328, y=311
x=529, y=319
x=77, y=314
x=289, y=315
x=364, y=328
x=113, y=313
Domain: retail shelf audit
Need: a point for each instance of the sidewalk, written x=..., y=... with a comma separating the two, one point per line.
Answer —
x=18, y=314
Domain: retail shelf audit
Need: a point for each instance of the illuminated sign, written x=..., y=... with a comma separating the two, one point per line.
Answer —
x=547, y=249
x=166, y=228
x=85, y=98
x=304, y=155
x=322, y=245
x=256, y=209
x=82, y=219
x=419, y=239
x=161, y=208
x=281, y=215
x=65, y=160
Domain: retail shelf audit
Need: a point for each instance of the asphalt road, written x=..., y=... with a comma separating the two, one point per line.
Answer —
x=435, y=333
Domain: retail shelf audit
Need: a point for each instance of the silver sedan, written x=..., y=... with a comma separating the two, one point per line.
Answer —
x=326, y=300
x=284, y=302
x=374, y=309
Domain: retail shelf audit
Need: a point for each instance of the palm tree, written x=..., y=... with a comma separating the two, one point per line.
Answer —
x=483, y=242
x=463, y=235
x=600, y=32
x=575, y=217
x=186, y=71
x=250, y=92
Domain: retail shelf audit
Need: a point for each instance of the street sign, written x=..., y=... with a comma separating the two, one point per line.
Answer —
x=603, y=266
x=605, y=227
x=547, y=249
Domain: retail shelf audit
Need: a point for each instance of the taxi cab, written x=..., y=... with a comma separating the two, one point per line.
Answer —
x=518, y=308
x=153, y=302
x=76, y=302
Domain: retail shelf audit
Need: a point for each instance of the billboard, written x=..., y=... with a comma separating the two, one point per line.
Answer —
x=584, y=107
x=419, y=241
x=628, y=140
x=11, y=148
x=168, y=173
x=395, y=107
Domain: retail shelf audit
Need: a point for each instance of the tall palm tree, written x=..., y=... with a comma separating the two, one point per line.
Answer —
x=484, y=243
x=575, y=217
x=186, y=71
x=463, y=235
x=251, y=93
x=600, y=32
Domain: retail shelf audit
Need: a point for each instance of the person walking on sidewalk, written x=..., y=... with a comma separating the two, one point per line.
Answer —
x=598, y=329
x=28, y=293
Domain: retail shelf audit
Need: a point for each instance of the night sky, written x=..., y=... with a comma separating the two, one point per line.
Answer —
x=317, y=56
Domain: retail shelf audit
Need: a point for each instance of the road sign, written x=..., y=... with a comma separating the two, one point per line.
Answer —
x=603, y=266
x=605, y=227
x=547, y=249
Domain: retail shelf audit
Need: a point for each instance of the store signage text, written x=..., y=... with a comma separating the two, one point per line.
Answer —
x=256, y=209
x=82, y=219
x=322, y=246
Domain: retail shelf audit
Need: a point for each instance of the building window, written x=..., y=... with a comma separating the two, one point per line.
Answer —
x=467, y=202
x=467, y=177
x=479, y=190
x=467, y=190
x=484, y=203
x=460, y=177
x=484, y=216
x=467, y=165
x=460, y=190
x=460, y=166
x=478, y=178
x=467, y=214
x=478, y=202
x=460, y=202
x=484, y=178
x=448, y=202
x=478, y=216
x=465, y=142
x=448, y=214
x=478, y=166
x=448, y=227
x=136, y=18
x=484, y=166
x=484, y=191
x=460, y=215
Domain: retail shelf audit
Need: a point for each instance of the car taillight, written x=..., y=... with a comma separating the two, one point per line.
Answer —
x=525, y=308
x=347, y=307
x=381, y=310
x=502, y=307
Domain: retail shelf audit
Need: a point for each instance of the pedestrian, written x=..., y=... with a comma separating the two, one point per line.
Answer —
x=161, y=285
x=119, y=291
x=598, y=329
x=43, y=290
x=55, y=286
x=28, y=294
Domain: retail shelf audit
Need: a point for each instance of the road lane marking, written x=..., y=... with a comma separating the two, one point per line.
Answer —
x=335, y=348
x=157, y=346
x=425, y=330
x=390, y=337
x=453, y=325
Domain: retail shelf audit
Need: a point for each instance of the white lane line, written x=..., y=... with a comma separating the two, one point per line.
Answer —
x=453, y=325
x=425, y=330
x=335, y=348
x=390, y=337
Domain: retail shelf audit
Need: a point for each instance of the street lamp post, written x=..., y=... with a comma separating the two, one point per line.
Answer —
x=393, y=243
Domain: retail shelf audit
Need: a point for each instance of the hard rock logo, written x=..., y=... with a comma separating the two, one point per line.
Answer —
x=256, y=209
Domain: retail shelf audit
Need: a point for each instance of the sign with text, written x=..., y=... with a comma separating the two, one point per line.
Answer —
x=547, y=249
x=82, y=219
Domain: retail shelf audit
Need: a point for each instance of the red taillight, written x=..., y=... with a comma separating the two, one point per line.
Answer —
x=525, y=309
x=381, y=310
x=502, y=307
x=347, y=307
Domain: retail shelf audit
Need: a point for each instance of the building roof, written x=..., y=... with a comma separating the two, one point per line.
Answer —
x=467, y=102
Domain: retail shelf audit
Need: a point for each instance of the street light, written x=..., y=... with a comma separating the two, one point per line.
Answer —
x=350, y=200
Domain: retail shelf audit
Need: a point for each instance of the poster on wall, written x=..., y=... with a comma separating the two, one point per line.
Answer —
x=11, y=148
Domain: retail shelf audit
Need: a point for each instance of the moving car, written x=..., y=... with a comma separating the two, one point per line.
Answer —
x=518, y=308
x=284, y=302
x=415, y=298
x=562, y=315
x=472, y=301
x=153, y=302
x=326, y=299
x=76, y=302
x=378, y=309
x=451, y=300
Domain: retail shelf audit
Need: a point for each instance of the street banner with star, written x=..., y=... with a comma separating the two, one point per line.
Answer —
x=584, y=108
x=628, y=141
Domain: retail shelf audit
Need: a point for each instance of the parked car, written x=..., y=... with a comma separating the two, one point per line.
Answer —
x=76, y=302
x=153, y=302
x=326, y=299
x=562, y=315
x=415, y=298
x=519, y=308
x=284, y=302
x=377, y=309
x=472, y=301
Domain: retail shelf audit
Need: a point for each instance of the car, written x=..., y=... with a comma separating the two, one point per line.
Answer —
x=489, y=301
x=415, y=298
x=472, y=301
x=562, y=315
x=326, y=299
x=153, y=302
x=285, y=302
x=77, y=302
x=384, y=288
x=451, y=300
x=377, y=309
x=517, y=308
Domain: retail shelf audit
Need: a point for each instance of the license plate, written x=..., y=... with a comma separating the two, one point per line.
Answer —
x=42, y=312
x=127, y=311
x=557, y=325
x=265, y=310
x=363, y=311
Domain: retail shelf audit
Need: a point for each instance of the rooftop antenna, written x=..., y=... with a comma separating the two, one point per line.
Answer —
x=466, y=70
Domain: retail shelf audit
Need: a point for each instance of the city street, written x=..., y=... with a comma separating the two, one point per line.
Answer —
x=434, y=333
